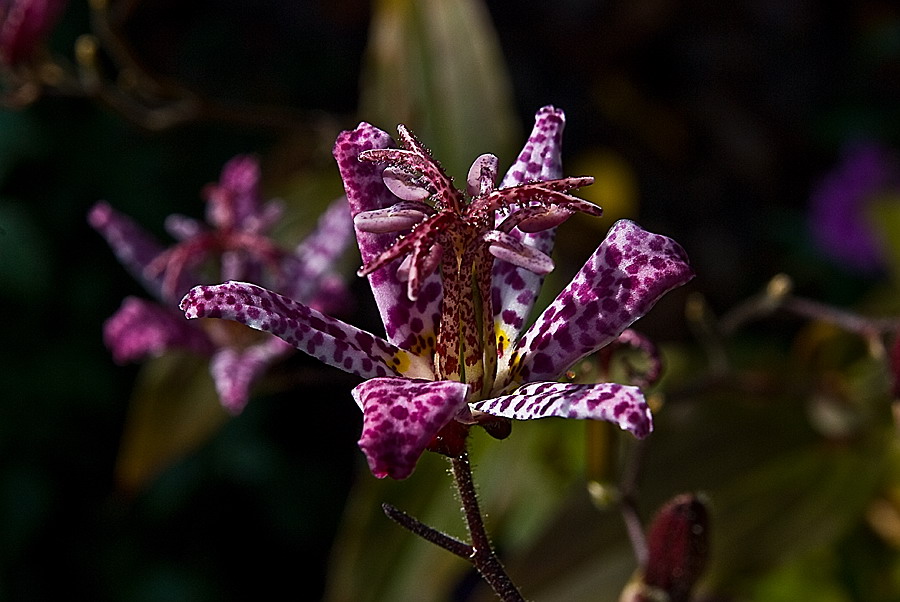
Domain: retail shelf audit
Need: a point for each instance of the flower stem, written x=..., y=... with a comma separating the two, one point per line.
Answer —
x=483, y=556
x=430, y=534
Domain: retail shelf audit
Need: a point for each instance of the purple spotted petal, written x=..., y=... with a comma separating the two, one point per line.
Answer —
x=516, y=288
x=235, y=198
x=622, y=280
x=621, y=404
x=235, y=370
x=400, y=418
x=142, y=329
x=135, y=249
x=408, y=324
x=331, y=341
x=540, y=159
x=315, y=257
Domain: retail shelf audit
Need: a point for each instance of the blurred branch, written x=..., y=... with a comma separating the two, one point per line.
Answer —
x=108, y=70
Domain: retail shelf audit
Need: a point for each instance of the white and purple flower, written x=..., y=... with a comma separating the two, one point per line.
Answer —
x=455, y=276
x=233, y=243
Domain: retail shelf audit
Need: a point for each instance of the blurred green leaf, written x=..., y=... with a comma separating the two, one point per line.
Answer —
x=174, y=410
x=884, y=217
x=521, y=481
x=778, y=488
x=437, y=67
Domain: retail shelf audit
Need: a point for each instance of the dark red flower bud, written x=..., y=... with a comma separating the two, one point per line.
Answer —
x=678, y=546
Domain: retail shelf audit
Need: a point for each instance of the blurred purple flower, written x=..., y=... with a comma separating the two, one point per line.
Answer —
x=840, y=223
x=456, y=346
x=24, y=24
x=233, y=243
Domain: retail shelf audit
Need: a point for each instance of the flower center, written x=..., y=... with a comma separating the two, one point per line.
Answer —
x=462, y=234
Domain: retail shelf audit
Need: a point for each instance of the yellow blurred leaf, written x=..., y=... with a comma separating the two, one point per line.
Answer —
x=437, y=67
x=173, y=411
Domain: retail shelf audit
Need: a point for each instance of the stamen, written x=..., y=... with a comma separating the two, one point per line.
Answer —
x=482, y=175
x=507, y=248
x=395, y=218
x=535, y=219
x=406, y=185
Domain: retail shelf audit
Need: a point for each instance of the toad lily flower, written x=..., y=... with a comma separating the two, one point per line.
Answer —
x=233, y=240
x=454, y=290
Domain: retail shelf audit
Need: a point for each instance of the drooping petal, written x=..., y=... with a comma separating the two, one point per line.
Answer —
x=516, y=288
x=400, y=418
x=408, y=324
x=316, y=256
x=142, y=329
x=136, y=250
x=235, y=370
x=622, y=280
x=621, y=404
x=332, y=341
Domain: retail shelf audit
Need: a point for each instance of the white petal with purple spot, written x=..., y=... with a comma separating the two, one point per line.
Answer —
x=620, y=404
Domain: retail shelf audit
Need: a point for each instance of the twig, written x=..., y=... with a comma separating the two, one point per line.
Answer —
x=430, y=534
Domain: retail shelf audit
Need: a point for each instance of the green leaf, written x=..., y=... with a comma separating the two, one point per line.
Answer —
x=884, y=217
x=437, y=67
x=174, y=410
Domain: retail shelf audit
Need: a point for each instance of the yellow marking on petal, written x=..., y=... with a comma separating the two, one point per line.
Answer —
x=401, y=362
x=502, y=338
x=411, y=365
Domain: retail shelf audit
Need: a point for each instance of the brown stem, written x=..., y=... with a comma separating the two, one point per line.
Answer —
x=430, y=534
x=483, y=556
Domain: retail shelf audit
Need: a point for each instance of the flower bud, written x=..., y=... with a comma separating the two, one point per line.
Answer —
x=678, y=546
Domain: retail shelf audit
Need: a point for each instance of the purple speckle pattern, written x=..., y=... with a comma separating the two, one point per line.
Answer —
x=234, y=370
x=409, y=324
x=400, y=418
x=309, y=269
x=621, y=281
x=141, y=329
x=234, y=235
x=328, y=339
x=515, y=288
x=621, y=404
x=135, y=249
